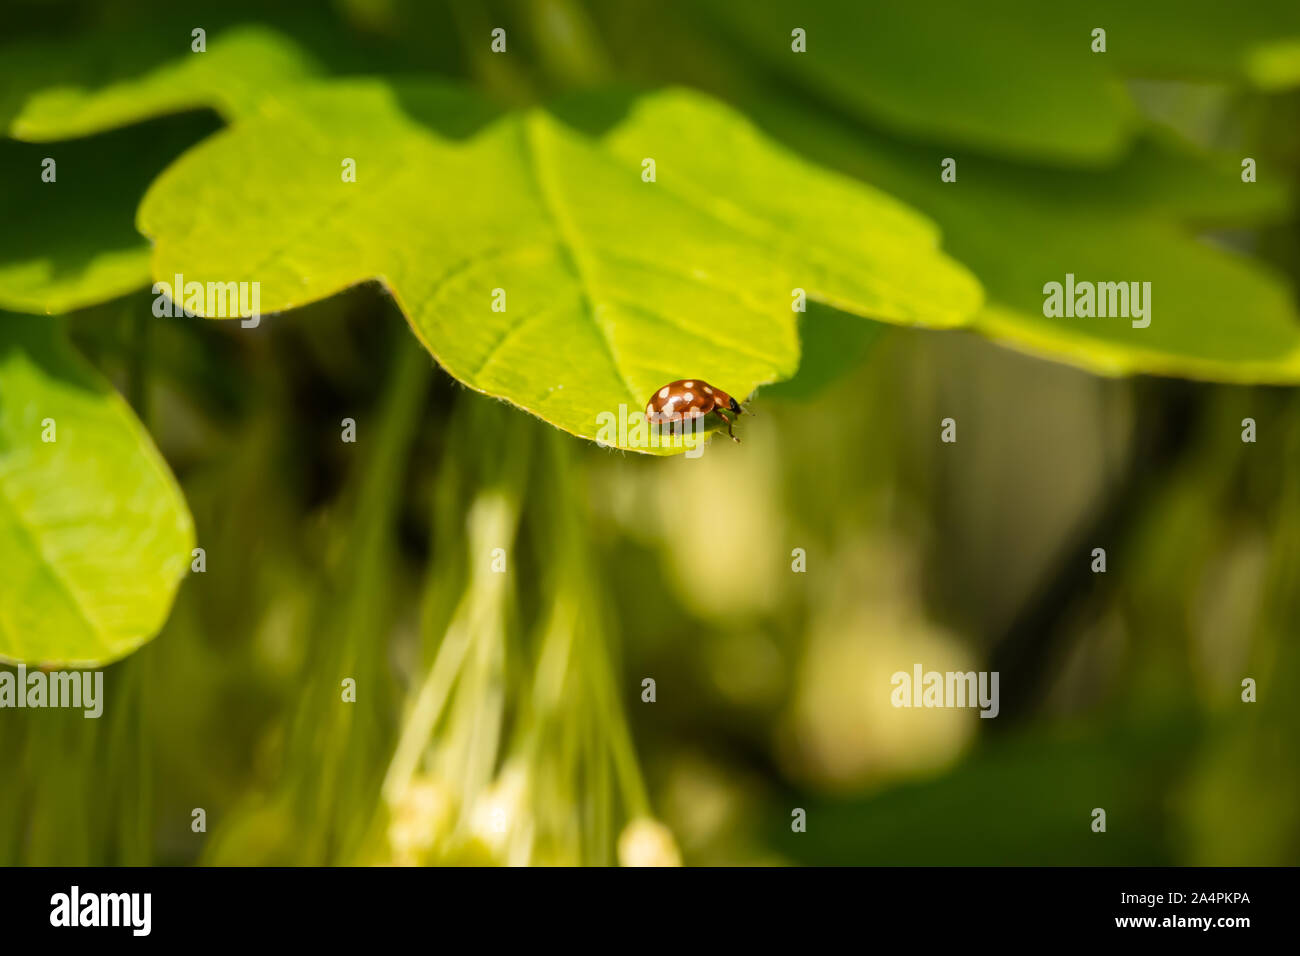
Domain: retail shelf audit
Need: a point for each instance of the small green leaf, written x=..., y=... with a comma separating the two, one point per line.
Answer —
x=94, y=533
x=613, y=285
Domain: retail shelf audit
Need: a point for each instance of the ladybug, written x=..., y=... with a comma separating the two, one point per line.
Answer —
x=689, y=398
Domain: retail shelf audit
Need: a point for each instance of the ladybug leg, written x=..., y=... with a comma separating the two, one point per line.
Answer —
x=730, y=433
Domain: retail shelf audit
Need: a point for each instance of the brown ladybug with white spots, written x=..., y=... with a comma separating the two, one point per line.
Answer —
x=689, y=398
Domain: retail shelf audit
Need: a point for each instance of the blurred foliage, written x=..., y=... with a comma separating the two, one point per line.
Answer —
x=499, y=717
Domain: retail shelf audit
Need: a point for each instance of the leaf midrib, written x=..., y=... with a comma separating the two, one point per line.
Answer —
x=570, y=246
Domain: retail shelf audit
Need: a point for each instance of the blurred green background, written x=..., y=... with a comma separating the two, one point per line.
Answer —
x=499, y=717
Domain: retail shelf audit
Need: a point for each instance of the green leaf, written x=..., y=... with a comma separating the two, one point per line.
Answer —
x=103, y=81
x=94, y=533
x=1215, y=314
x=957, y=72
x=72, y=242
x=614, y=285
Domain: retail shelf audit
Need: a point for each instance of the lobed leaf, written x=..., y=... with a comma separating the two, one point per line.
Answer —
x=614, y=285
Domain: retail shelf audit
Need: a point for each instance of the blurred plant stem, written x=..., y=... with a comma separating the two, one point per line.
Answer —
x=330, y=774
x=576, y=723
x=129, y=748
x=1029, y=649
x=88, y=797
x=138, y=352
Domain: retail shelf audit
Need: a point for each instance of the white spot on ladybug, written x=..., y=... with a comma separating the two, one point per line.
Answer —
x=688, y=384
x=688, y=397
x=663, y=392
x=707, y=390
x=649, y=409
